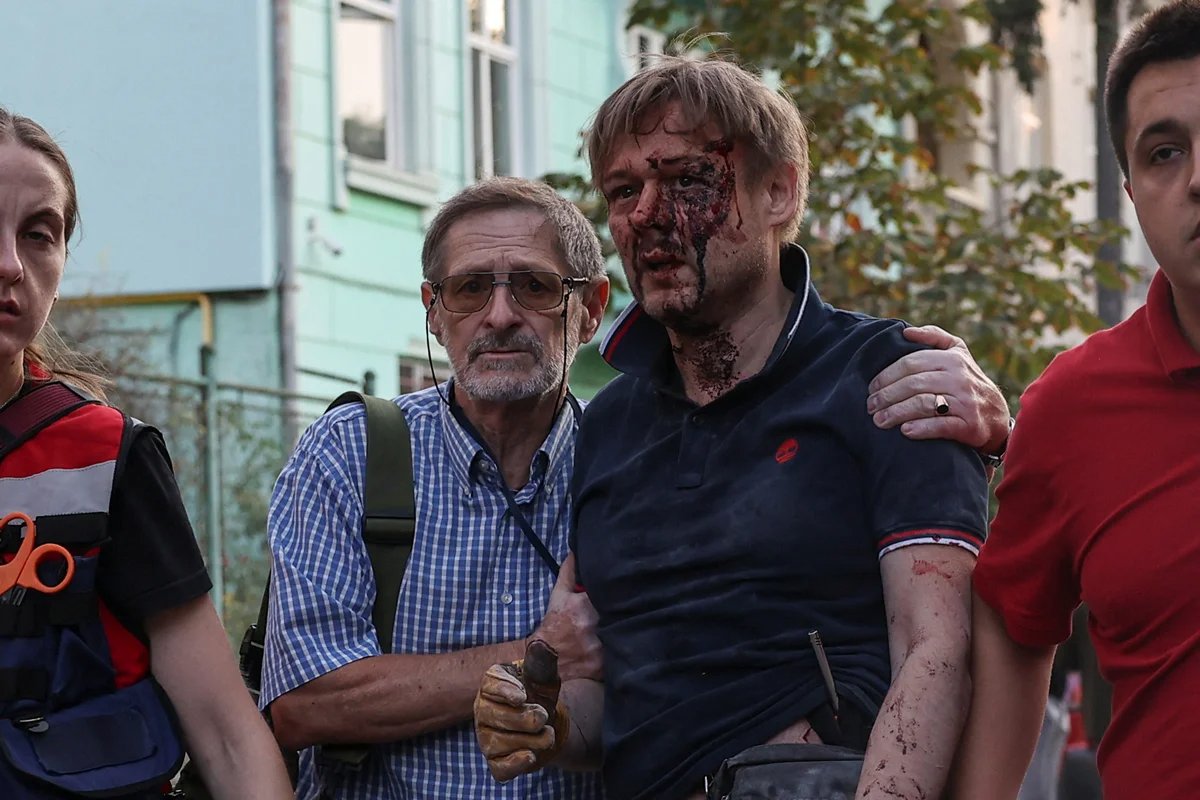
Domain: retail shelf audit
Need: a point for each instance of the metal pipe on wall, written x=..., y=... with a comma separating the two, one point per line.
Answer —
x=212, y=478
x=152, y=298
x=284, y=176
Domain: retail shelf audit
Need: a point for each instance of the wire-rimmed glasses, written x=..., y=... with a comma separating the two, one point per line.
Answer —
x=534, y=290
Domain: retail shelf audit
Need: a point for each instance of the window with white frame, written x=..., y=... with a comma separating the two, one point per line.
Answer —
x=642, y=44
x=382, y=100
x=493, y=74
x=367, y=77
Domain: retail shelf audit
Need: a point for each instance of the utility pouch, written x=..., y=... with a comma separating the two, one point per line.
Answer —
x=794, y=771
x=113, y=745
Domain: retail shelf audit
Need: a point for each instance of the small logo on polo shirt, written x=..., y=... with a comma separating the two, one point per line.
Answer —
x=786, y=451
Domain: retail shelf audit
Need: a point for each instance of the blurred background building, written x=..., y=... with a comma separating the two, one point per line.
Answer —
x=255, y=179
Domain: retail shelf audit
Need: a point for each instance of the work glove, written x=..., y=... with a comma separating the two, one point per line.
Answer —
x=519, y=722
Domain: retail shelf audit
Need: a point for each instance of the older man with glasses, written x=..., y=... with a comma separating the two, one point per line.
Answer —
x=514, y=283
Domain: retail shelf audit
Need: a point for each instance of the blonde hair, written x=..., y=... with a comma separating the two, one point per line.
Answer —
x=49, y=357
x=713, y=90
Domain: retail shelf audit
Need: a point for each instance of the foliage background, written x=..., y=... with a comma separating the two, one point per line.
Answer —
x=887, y=229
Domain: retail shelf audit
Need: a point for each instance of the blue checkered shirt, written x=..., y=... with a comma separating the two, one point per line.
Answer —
x=473, y=579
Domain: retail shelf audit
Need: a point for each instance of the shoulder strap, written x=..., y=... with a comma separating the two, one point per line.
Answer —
x=27, y=415
x=388, y=529
x=389, y=505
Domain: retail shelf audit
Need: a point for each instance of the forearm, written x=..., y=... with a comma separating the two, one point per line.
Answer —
x=243, y=763
x=584, y=700
x=225, y=734
x=914, y=737
x=1010, y=686
x=386, y=698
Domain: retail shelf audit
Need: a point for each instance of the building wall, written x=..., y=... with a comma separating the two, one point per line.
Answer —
x=167, y=113
x=163, y=109
x=358, y=235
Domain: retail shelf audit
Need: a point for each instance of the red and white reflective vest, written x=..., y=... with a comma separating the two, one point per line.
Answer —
x=79, y=712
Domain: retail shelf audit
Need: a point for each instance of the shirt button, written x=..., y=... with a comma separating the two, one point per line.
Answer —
x=506, y=598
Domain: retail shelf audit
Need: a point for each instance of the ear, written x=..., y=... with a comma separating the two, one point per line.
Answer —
x=593, y=299
x=782, y=195
x=431, y=313
x=1128, y=189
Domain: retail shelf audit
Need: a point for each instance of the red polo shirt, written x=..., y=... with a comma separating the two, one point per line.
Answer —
x=1100, y=502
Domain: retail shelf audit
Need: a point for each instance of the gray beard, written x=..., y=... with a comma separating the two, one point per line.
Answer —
x=495, y=386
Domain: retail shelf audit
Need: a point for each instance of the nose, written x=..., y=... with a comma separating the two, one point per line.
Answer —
x=651, y=211
x=502, y=310
x=11, y=268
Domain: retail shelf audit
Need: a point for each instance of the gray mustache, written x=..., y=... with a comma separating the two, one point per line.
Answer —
x=511, y=341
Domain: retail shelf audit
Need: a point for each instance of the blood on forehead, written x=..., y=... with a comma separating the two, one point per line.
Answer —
x=719, y=147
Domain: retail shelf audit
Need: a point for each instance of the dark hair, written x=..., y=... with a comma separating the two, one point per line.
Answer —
x=1168, y=33
x=47, y=355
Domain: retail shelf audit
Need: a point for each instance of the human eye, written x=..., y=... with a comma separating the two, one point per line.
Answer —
x=622, y=191
x=466, y=285
x=537, y=284
x=1164, y=153
x=40, y=234
x=690, y=180
x=471, y=284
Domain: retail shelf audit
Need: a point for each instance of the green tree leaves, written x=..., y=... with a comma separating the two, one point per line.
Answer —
x=904, y=220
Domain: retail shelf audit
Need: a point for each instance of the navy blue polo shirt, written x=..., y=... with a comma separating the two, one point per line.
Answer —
x=712, y=539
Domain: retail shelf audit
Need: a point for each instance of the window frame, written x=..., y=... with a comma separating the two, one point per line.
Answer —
x=633, y=55
x=405, y=173
x=481, y=51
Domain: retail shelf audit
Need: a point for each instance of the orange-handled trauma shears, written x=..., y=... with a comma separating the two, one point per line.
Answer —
x=22, y=571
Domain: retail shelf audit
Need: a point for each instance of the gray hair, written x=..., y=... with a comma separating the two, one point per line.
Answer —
x=574, y=235
x=714, y=90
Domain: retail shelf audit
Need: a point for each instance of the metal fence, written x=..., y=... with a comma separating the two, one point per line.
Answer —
x=227, y=443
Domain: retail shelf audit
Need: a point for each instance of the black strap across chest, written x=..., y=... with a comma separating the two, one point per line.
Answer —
x=514, y=509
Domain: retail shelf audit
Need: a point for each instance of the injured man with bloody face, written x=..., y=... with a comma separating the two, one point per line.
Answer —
x=768, y=566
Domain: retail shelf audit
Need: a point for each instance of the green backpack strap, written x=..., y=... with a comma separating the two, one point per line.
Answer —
x=388, y=528
x=389, y=505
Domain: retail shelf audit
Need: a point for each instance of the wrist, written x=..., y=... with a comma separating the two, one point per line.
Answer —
x=515, y=650
x=993, y=451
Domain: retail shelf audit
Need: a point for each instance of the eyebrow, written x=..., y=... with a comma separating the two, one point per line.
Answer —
x=48, y=212
x=672, y=161
x=659, y=163
x=1168, y=125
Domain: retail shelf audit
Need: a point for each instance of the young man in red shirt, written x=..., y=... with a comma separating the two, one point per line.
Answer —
x=1102, y=489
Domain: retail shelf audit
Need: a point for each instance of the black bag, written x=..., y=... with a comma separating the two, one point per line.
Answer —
x=792, y=771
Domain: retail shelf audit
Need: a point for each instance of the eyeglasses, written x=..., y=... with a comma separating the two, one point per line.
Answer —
x=535, y=291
